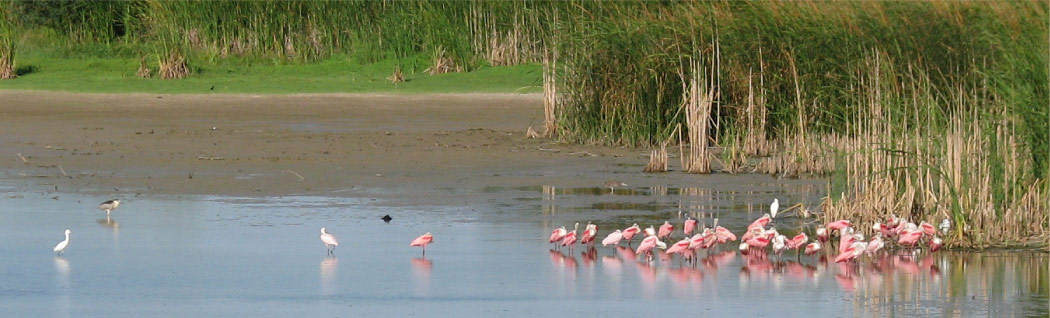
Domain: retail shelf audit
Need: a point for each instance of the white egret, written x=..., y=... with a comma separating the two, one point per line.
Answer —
x=61, y=247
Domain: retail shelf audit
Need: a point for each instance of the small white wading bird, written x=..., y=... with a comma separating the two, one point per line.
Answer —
x=774, y=208
x=329, y=241
x=109, y=206
x=61, y=247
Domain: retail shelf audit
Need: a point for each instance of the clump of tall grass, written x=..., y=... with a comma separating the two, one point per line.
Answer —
x=173, y=65
x=698, y=97
x=934, y=157
x=7, y=46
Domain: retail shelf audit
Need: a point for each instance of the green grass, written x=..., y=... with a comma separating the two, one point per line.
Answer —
x=332, y=75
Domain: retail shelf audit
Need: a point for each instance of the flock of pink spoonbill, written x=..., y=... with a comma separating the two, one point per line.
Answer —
x=760, y=235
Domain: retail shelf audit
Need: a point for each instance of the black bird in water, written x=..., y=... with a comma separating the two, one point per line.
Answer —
x=387, y=218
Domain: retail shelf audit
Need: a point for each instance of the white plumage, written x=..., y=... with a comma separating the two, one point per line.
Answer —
x=329, y=240
x=61, y=247
x=774, y=208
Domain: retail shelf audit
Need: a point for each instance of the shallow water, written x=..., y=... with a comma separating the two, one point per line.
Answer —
x=219, y=256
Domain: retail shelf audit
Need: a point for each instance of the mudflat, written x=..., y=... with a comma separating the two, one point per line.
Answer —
x=273, y=145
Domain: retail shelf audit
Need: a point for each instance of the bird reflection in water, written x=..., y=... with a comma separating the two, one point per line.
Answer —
x=421, y=268
x=63, y=283
x=109, y=223
x=329, y=277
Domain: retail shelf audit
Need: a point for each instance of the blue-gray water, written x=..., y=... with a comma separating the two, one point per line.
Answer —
x=219, y=256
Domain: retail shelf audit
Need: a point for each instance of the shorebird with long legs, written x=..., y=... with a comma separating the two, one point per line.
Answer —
x=61, y=247
x=423, y=241
x=329, y=241
x=109, y=206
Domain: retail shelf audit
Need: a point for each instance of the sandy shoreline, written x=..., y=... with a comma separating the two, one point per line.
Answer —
x=123, y=145
x=248, y=145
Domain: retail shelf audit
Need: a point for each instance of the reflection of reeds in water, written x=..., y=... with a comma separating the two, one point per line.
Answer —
x=659, y=190
x=1002, y=284
x=548, y=208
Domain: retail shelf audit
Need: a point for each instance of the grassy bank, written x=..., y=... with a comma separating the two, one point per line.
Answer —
x=332, y=75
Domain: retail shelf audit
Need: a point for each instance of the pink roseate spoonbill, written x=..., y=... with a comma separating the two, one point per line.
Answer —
x=689, y=226
x=909, y=237
x=422, y=241
x=650, y=231
x=874, y=245
x=557, y=235
x=682, y=246
x=613, y=238
x=570, y=238
x=744, y=248
x=61, y=246
x=893, y=221
x=812, y=248
x=724, y=235
x=629, y=232
x=779, y=245
x=697, y=240
x=758, y=242
x=935, y=244
x=798, y=241
x=903, y=225
x=771, y=233
x=329, y=241
x=665, y=230
x=589, y=232
x=822, y=234
x=927, y=228
x=753, y=232
x=710, y=239
x=760, y=222
x=945, y=225
x=774, y=208
x=845, y=241
x=839, y=225
x=646, y=247
x=851, y=252
x=883, y=229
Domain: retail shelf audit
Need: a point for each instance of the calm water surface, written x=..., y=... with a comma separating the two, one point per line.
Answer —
x=220, y=256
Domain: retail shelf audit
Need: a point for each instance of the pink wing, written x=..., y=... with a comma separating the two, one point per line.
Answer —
x=613, y=238
x=422, y=240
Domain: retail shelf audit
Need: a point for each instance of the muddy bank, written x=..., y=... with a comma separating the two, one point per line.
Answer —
x=334, y=145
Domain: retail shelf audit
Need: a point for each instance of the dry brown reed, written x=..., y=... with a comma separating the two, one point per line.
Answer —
x=531, y=133
x=397, y=77
x=7, y=63
x=173, y=66
x=921, y=173
x=144, y=70
x=550, y=96
x=756, y=143
x=442, y=63
x=697, y=98
x=657, y=160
